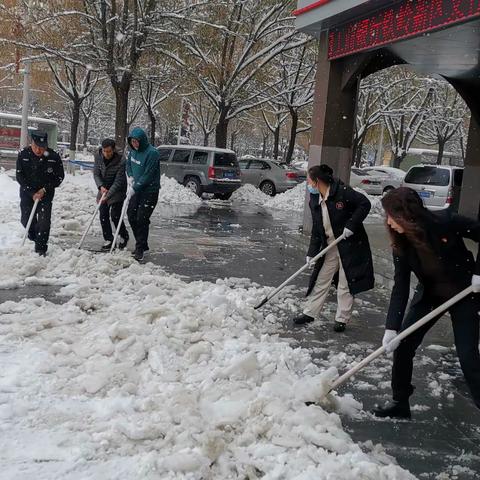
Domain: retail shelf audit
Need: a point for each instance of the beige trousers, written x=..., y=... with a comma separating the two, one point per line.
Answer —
x=317, y=297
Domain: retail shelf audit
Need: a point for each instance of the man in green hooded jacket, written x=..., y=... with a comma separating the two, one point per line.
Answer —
x=143, y=171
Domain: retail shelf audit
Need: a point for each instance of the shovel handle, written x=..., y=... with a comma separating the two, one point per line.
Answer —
x=90, y=222
x=298, y=272
x=120, y=221
x=405, y=333
x=30, y=220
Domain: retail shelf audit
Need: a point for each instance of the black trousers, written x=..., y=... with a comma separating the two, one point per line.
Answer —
x=465, y=322
x=39, y=231
x=139, y=211
x=113, y=212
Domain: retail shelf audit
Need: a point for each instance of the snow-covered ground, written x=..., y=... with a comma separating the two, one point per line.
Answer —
x=137, y=374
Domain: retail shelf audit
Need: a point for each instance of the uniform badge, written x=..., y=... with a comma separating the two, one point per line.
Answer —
x=339, y=206
x=50, y=170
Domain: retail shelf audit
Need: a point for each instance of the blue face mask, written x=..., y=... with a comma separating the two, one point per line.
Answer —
x=313, y=190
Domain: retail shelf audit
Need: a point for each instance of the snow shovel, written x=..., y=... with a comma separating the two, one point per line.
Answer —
x=97, y=208
x=434, y=313
x=30, y=220
x=122, y=216
x=298, y=272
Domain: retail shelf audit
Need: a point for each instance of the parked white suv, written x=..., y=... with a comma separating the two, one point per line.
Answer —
x=438, y=185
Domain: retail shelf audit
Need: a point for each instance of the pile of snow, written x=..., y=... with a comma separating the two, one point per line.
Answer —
x=249, y=194
x=11, y=231
x=139, y=374
x=175, y=193
x=291, y=201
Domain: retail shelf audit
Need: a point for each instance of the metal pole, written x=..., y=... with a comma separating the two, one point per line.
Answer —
x=27, y=70
x=25, y=103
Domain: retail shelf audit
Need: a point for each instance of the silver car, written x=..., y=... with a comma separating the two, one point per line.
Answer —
x=202, y=169
x=371, y=183
x=270, y=176
x=393, y=177
x=438, y=185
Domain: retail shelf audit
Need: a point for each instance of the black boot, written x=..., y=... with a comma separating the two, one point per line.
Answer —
x=339, y=327
x=394, y=410
x=138, y=255
x=303, y=319
x=123, y=243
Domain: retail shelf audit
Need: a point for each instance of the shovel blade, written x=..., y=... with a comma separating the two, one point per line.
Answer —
x=261, y=304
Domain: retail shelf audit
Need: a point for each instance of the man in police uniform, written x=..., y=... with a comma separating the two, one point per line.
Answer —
x=39, y=173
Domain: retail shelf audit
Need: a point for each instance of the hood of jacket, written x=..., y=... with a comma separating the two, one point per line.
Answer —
x=140, y=135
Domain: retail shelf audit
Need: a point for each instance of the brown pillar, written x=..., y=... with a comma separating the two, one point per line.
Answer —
x=332, y=120
x=470, y=196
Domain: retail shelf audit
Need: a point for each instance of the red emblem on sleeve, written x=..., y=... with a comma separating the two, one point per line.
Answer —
x=339, y=205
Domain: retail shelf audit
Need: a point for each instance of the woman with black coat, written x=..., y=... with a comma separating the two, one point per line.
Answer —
x=431, y=245
x=337, y=209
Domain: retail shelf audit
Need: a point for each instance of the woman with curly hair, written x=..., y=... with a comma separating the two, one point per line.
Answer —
x=431, y=245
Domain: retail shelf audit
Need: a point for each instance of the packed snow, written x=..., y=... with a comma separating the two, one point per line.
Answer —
x=135, y=373
x=174, y=193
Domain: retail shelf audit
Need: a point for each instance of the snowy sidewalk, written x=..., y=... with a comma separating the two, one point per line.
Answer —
x=164, y=371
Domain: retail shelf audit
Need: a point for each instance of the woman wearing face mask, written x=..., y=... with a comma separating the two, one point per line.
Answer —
x=337, y=209
x=431, y=246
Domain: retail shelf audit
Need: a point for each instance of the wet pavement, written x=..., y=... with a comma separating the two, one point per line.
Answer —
x=218, y=240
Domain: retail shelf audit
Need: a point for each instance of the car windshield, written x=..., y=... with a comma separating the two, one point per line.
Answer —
x=225, y=160
x=438, y=177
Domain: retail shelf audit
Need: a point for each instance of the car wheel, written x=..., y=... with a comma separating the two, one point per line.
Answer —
x=194, y=185
x=222, y=196
x=268, y=188
x=387, y=189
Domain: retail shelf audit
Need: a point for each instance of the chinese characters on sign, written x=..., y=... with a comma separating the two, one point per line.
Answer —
x=401, y=21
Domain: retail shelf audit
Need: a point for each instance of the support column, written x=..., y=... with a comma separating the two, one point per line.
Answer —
x=470, y=196
x=332, y=120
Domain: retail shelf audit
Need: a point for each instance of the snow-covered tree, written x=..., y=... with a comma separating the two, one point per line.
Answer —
x=75, y=84
x=248, y=36
x=445, y=117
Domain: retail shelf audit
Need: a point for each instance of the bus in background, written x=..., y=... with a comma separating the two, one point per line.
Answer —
x=10, y=128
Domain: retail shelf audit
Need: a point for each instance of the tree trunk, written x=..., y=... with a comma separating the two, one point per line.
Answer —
x=441, y=150
x=233, y=138
x=122, y=90
x=153, y=125
x=221, y=130
x=86, y=121
x=264, y=145
x=206, y=138
x=358, y=152
x=276, y=141
x=293, y=136
x=397, y=161
x=74, y=127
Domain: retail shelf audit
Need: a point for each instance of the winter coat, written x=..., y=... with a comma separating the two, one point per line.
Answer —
x=347, y=208
x=143, y=164
x=456, y=264
x=35, y=173
x=111, y=175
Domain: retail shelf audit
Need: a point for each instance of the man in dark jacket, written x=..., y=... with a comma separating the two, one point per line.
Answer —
x=337, y=209
x=143, y=170
x=39, y=173
x=109, y=175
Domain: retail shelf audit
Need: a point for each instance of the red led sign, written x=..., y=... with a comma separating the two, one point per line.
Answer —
x=407, y=19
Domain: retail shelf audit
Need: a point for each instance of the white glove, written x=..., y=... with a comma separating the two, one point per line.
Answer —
x=347, y=233
x=476, y=283
x=309, y=261
x=388, y=336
